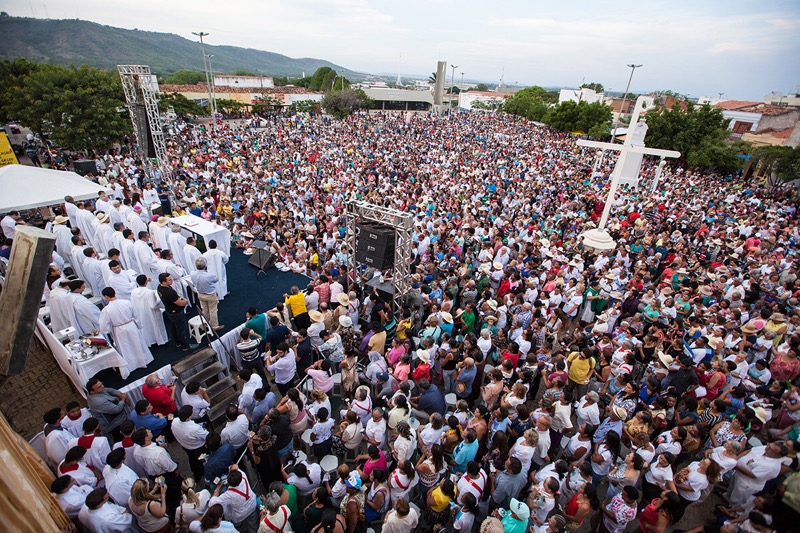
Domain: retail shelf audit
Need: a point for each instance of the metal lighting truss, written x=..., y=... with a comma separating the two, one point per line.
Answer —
x=402, y=223
x=136, y=82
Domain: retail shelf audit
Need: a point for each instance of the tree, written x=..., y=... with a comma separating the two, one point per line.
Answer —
x=12, y=75
x=305, y=106
x=596, y=87
x=481, y=87
x=530, y=102
x=226, y=105
x=265, y=103
x=185, y=77
x=592, y=119
x=77, y=107
x=341, y=104
x=699, y=133
x=182, y=106
x=322, y=80
x=244, y=73
x=280, y=81
x=782, y=160
x=432, y=78
x=494, y=104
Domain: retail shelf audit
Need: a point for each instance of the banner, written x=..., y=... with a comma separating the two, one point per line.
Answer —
x=7, y=155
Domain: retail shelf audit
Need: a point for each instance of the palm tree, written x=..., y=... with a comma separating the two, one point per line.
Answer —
x=432, y=78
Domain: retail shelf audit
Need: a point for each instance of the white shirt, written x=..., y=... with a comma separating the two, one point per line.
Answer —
x=304, y=486
x=108, y=518
x=238, y=502
x=235, y=432
x=190, y=435
x=75, y=427
x=154, y=459
x=9, y=227
x=474, y=486
x=588, y=414
x=196, y=401
x=119, y=482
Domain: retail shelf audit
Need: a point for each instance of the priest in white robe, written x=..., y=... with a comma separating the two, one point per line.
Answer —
x=128, y=252
x=84, y=219
x=103, y=203
x=63, y=236
x=190, y=254
x=149, y=308
x=120, y=281
x=146, y=258
x=216, y=260
x=92, y=270
x=72, y=210
x=177, y=272
x=76, y=256
x=84, y=315
x=105, y=233
x=119, y=318
x=177, y=243
x=117, y=215
x=59, y=307
x=163, y=232
x=135, y=223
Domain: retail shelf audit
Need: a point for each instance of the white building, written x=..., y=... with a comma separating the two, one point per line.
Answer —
x=580, y=95
x=467, y=99
x=260, y=82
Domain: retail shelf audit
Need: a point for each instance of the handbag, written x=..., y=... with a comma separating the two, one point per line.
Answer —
x=461, y=387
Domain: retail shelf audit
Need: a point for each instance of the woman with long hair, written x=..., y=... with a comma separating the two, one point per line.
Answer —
x=150, y=518
x=438, y=500
x=625, y=474
x=583, y=502
x=331, y=522
x=431, y=466
x=660, y=513
x=212, y=522
x=480, y=423
x=692, y=482
x=659, y=477
x=377, y=497
x=312, y=514
x=604, y=456
x=193, y=504
x=525, y=448
x=400, y=413
x=293, y=406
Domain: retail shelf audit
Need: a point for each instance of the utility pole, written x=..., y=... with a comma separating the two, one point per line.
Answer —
x=202, y=34
x=624, y=98
x=213, y=87
x=452, y=81
x=462, y=79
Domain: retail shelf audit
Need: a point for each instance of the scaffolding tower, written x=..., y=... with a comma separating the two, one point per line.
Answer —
x=141, y=94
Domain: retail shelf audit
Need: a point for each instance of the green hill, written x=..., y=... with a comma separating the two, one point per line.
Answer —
x=83, y=42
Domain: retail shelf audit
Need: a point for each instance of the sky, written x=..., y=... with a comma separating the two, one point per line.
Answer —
x=744, y=49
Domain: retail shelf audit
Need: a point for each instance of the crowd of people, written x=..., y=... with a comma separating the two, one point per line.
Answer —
x=527, y=383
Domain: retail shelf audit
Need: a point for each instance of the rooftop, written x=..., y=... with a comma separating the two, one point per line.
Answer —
x=202, y=88
x=735, y=105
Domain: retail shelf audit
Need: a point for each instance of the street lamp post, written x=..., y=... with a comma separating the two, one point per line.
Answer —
x=624, y=98
x=202, y=34
x=462, y=79
x=213, y=88
x=452, y=81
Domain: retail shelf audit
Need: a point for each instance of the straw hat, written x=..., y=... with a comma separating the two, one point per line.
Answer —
x=682, y=271
x=749, y=329
x=610, y=277
x=343, y=299
x=777, y=317
x=490, y=318
x=665, y=359
x=667, y=291
x=492, y=305
x=345, y=321
x=621, y=413
x=761, y=414
x=101, y=217
x=459, y=312
x=163, y=221
x=61, y=219
x=247, y=234
x=447, y=317
x=424, y=355
x=315, y=316
x=705, y=290
x=616, y=295
x=497, y=265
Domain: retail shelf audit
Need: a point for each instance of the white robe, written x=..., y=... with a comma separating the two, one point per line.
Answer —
x=147, y=261
x=135, y=224
x=103, y=206
x=149, y=307
x=217, y=260
x=117, y=215
x=76, y=260
x=92, y=269
x=59, y=309
x=72, y=211
x=56, y=445
x=128, y=254
x=116, y=240
x=177, y=274
x=119, y=482
x=190, y=254
x=108, y=518
x=63, y=240
x=122, y=284
x=96, y=454
x=83, y=219
x=177, y=243
x=84, y=315
x=155, y=235
x=163, y=236
x=105, y=234
x=120, y=319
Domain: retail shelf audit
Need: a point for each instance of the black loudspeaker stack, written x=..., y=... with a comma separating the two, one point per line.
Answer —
x=262, y=258
x=83, y=167
x=375, y=245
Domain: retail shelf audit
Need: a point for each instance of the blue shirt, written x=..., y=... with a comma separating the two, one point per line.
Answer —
x=432, y=401
x=149, y=421
x=275, y=336
x=467, y=376
x=204, y=281
x=606, y=426
x=218, y=463
x=261, y=408
x=463, y=454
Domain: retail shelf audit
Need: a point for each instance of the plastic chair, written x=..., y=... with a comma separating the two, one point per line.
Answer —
x=197, y=328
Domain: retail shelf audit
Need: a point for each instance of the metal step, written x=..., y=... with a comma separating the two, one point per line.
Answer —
x=209, y=372
x=219, y=388
x=217, y=409
x=191, y=361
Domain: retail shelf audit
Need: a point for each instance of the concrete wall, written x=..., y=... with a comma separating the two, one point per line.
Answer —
x=580, y=95
x=742, y=116
x=222, y=80
x=778, y=122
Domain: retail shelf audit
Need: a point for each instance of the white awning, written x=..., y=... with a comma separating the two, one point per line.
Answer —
x=25, y=187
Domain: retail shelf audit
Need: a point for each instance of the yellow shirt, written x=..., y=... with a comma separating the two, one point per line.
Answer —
x=442, y=500
x=579, y=369
x=296, y=303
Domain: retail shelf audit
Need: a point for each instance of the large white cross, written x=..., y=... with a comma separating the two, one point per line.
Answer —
x=599, y=238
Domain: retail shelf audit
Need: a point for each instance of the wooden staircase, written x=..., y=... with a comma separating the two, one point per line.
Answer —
x=214, y=376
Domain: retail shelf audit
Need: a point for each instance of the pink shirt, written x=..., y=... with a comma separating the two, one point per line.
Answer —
x=322, y=380
x=394, y=354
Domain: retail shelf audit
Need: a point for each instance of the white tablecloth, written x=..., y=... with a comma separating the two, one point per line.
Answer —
x=61, y=355
x=208, y=230
x=107, y=358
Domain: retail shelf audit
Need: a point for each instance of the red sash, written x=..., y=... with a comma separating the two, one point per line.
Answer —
x=397, y=480
x=475, y=485
x=86, y=441
x=71, y=468
x=127, y=442
x=242, y=494
x=272, y=526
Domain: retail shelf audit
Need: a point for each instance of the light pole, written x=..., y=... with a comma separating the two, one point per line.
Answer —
x=452, y=80
x=213, y=88
x=202, y=34
x=624, y=98
x=462, y=79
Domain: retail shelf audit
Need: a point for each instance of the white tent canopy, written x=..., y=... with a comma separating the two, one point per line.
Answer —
x=25, y=187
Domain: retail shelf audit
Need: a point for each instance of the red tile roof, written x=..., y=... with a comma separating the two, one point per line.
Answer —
x=732, y=105
x=201, y=88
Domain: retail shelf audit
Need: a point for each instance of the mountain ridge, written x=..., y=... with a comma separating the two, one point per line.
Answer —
x=64, y=41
